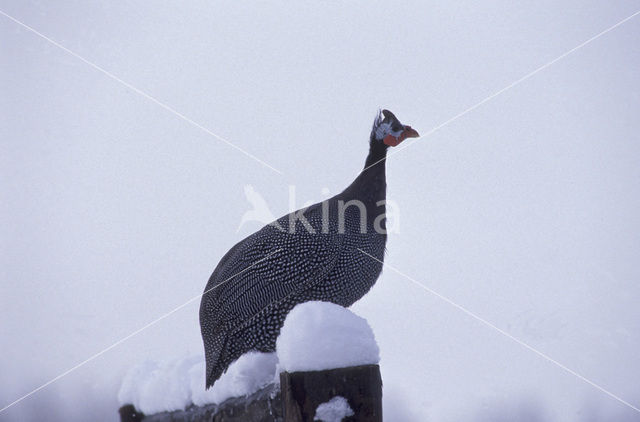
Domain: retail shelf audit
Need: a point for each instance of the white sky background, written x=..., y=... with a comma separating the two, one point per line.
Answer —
x=526, y=210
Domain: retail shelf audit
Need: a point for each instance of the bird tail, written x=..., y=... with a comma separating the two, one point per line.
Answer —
x=215, y=363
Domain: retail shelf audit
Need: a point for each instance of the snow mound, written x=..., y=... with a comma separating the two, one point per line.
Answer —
x=334, y=410
x=154, y=387
x=158, y=386
x=315, y=336
x=321, y=335
x=251, y=372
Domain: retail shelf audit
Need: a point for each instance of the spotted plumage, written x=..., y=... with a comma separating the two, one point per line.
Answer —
x=311, y=254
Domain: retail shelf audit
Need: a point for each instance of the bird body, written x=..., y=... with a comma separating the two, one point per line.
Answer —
x=317, y=253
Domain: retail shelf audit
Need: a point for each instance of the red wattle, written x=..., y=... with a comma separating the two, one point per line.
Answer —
x=391, y=140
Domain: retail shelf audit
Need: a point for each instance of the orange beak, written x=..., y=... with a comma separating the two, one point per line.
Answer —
x=409, y=132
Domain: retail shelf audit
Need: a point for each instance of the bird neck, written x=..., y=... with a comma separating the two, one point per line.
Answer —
x=377, y=155
x=370, y=186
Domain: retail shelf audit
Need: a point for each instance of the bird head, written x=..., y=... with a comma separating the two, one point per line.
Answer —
x=388, y=130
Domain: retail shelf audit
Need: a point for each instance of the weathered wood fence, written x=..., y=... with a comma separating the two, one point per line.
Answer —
x=296, y=400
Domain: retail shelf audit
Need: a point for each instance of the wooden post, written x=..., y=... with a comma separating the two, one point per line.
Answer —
x=128, y=413
x=302, y=392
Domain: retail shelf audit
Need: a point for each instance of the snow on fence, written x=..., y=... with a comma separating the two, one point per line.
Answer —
x=325, y=369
